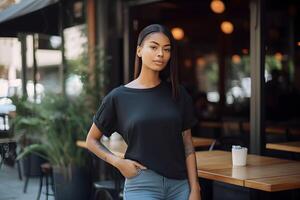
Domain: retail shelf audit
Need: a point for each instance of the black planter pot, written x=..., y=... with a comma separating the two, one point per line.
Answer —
x=71, y=184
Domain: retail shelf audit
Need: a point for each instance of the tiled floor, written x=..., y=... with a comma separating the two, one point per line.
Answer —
x=11, y=187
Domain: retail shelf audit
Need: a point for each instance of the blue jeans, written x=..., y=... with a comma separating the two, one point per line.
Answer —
x=148, y=185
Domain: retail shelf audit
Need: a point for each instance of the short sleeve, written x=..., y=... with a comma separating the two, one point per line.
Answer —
x=189, y=117
x=105, y=118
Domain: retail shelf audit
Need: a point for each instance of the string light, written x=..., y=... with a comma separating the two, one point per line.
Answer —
x=217, y=6
x=177, y=33
x=227, y=27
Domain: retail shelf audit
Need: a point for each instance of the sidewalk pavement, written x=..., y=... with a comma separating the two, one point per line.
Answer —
x=11, y=187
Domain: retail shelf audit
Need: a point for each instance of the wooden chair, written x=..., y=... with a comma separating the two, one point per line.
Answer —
x=5, y=129
x=47, y=172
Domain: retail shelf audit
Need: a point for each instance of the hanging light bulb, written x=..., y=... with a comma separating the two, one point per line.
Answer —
x=278, y=56
x=177, y=33
x=217, y=6
x=200, y=62
x=236, y=59
x=227, y=27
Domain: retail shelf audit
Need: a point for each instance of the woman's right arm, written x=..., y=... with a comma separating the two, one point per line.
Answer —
x=127, y=167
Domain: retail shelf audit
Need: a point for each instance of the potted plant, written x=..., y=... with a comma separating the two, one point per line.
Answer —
x=27, y=124
x=63, y=122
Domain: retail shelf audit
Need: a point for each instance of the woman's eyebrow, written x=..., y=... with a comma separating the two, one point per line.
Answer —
x=158, y=43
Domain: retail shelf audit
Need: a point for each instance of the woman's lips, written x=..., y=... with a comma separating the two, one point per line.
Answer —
x=158, y=62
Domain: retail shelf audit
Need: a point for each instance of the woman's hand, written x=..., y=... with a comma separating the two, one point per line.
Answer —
x=129, y=168
x=195, y=194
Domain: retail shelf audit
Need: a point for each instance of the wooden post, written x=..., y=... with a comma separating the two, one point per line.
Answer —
x=34, y=67
x=63, y=67
x=257, y=61
x=91, y=40
x=126, y=47
x=22, y=39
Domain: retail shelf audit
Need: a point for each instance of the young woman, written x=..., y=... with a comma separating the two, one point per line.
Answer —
x=154, y=115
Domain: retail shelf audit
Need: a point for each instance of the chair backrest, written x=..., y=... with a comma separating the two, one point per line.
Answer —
x=4, y=125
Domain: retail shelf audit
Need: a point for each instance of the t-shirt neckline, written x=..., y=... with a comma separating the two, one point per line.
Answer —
x=143, y=89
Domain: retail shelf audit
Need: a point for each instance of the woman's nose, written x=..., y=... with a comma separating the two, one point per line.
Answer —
x=160, y=52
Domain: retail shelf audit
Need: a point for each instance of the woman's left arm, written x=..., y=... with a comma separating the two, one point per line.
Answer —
x=191, y=165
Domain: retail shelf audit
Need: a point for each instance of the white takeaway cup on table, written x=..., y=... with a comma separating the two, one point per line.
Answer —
x=239, y=155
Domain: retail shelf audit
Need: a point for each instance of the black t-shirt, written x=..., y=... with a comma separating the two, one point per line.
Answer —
x=151, y=123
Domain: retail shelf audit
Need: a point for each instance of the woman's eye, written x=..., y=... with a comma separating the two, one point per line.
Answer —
x=153, y=47
x=168, y=50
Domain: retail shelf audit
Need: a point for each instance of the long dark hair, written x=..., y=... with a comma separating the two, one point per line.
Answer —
x=170, y=72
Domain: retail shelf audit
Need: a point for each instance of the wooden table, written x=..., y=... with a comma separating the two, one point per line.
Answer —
x=285, y=146
x=262, y=173
x=7, y=140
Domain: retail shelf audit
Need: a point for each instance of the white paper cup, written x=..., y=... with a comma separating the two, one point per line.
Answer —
x=239, y=156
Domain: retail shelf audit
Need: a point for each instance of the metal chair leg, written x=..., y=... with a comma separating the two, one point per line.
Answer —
x=47, y=186
x=19, y=170
x=1, y=162
x=1, y=156
x=26, y=184
x=40, y=188
x=28, y=174
x=52, y=183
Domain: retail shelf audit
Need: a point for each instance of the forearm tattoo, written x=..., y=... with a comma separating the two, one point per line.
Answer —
x=103, y=148
x=188, y=144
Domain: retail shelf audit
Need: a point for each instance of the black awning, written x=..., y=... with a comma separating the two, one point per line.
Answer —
x=30, y=16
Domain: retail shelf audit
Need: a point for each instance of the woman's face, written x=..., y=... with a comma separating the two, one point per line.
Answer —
x=155, y=51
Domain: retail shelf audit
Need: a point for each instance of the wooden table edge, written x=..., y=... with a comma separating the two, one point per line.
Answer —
x=15, y=138
x=279, y=146
x=202, y=142
x=224, y=179
x=255, y=184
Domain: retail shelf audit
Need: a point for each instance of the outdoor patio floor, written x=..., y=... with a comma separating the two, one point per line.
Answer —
x=11, y=187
